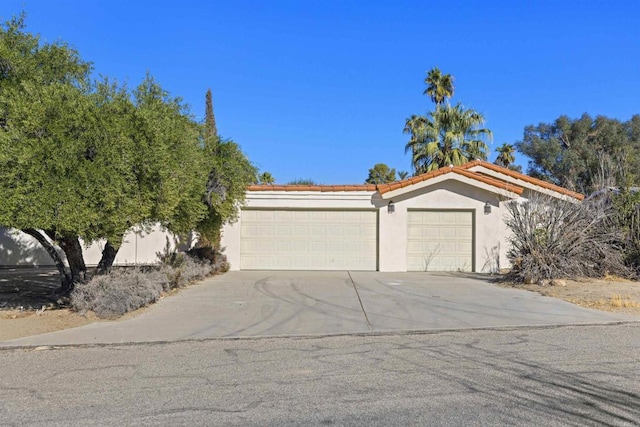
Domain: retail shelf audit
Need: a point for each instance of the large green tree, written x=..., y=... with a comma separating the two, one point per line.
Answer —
x=450, y=135
x=83, y=160
x=586, y=153
x=380, y=173
x=229, y=174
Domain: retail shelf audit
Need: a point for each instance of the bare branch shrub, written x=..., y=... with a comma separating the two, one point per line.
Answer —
x=215, y=257
x=627, y=205
x=182, y=270
x=118, y=292
x=554, y=238
x=127, y=289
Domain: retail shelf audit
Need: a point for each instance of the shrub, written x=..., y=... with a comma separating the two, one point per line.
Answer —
x=182, y=270
x=126, y=289
x=554, y=238
x=215, y=257
x=627, y=218
x=118, y=292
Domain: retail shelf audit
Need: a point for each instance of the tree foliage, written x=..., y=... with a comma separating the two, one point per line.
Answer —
x=209, y=118
x=449, y=135
x=232, y=172
x=506, y=155
x=585, y=154
x=439, y=86
x=266, y=178
x=86, y=160
x=380, y=173
x=627, y=219
x=302, y=181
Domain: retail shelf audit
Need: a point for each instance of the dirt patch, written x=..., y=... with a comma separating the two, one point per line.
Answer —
x=28, y=305
x=18, y=324
x=609, y=294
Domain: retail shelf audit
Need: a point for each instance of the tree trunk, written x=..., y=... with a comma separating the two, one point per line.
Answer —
x=66, y=279
x=72, y=248
x=108, y=256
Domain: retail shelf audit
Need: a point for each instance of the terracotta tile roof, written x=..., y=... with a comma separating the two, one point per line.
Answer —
x=460, y=170
x=323, y=188
x=384, y=188
x=523, y=177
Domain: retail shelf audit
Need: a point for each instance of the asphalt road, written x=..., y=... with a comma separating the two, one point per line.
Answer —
x=571, y=375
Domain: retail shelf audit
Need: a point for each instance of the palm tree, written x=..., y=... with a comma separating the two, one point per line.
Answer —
x=450, y=135
x=505, y=155
x=266, y=178
x=403, y=175
x=439, y=86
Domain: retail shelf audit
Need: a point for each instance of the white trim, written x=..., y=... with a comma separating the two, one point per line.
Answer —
x=450, y=176
x=522, y=183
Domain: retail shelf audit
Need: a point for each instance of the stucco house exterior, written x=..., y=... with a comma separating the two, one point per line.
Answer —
x=451, y=219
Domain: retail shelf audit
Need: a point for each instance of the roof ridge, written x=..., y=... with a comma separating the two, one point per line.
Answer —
x=324, y=188
x=461, y=170
x=524, y=177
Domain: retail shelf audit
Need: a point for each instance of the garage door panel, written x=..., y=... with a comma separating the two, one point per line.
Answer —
x=308, y=240
x=368, y=247
x=316, y=247
x=300, y=246
x=249, y=230
x=465, y=233
x=283, y=231
x=266, y=231
x=335, y=230
x=449, y=248
x=265, y=215
x=283, y=246
x=314, y=216
x=354, y=231
x=440, y=241
x=446, y=232
x=317, y=230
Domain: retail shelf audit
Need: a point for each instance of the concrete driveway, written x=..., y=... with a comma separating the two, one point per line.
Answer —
x=259, y=303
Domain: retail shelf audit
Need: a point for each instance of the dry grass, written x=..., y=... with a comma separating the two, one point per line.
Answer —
x=607, y=294
x=626, y=302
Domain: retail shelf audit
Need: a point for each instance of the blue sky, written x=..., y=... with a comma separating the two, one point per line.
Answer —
x=321, y=89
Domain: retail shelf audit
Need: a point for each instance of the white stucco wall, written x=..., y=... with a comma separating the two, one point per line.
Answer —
x=490, y=246
x=20, y=249
x=490, y=230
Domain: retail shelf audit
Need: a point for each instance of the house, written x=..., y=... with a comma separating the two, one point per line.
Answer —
x=451, y=219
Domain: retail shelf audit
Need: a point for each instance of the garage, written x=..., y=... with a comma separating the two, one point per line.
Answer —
x=308, y=239
x=449, y=219
x=440, y=240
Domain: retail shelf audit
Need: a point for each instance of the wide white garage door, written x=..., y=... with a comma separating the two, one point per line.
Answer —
x=308, y=240
x=440, y=241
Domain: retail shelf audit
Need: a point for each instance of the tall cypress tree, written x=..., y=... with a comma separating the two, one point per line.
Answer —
x=210, y=120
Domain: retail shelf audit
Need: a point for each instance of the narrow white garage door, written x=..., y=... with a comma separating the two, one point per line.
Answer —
x=440, y=241
x=308, y=240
